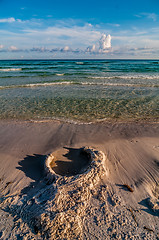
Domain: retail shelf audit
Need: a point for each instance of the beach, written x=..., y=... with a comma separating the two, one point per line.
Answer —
x=116, y=197
x=79, y=149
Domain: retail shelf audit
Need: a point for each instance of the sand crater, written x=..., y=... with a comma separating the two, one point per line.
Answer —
x=70, y=161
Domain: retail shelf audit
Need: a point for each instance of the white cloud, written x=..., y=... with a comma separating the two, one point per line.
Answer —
x=12, y=19
x=79, y=36
x=43, y=49
x=12, y=48
x=152, y=16
x=102, y=46
x=66, y=39
x=126, y=51
x=21, y=21
x=137, y=40
x=89, y=25
x=7, y=20
x=39, y=49
x=91, y=48
x=105, y=42
x=66, y=49
x=114, y=24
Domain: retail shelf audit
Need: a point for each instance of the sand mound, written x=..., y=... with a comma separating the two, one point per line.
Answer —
x=108, y=194
x=58, y=209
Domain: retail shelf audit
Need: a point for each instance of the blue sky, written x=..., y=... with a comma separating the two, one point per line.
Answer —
x=79, y=29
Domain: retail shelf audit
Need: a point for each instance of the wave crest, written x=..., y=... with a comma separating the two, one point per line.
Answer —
x=10, y=69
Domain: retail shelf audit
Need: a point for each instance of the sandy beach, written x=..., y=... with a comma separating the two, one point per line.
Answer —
x=116, y=197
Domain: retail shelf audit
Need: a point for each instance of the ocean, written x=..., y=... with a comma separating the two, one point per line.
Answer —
x=79, y=90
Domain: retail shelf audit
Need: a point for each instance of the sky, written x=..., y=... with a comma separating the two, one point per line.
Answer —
x=104, y=29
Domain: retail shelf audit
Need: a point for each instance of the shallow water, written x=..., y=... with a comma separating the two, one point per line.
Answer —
x=87, y=90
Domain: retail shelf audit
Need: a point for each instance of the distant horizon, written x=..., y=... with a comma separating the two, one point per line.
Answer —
x=81, y=59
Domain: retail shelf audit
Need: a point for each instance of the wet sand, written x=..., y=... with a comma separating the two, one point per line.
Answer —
x=97, y=204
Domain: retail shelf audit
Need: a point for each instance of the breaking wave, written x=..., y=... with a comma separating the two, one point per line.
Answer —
x=127, y=77
x=80, y=83
x=79, y=63
x=10, y=69
x=60, y=74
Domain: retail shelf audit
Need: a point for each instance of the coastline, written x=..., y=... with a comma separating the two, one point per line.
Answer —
x=132, y=158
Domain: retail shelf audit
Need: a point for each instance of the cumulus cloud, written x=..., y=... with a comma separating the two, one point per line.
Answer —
x=7, y=20
x=91, y=48
x=105, y=42
x=102, y=46
x=66, y=49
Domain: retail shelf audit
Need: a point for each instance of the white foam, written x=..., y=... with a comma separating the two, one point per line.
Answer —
x=79, y=63
x=120, y=84
x=46, y=84
x=82, y=83
x=126, y=77
x=36, y=85
x=10, y=69
x=59, y=74
x=110, y=84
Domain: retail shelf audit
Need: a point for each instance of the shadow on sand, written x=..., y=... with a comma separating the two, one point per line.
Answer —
x=70, y=162
x=31, y=200
x=33, y=167
x=145, y=203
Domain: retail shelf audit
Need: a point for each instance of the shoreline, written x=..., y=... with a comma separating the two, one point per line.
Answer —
x=80, y=122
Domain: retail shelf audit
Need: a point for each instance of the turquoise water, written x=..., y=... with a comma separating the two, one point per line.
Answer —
x=86, y=90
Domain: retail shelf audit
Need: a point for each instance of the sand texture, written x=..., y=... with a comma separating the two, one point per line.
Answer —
x=63, y=180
